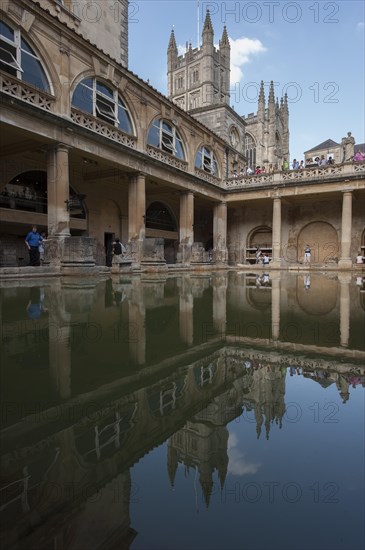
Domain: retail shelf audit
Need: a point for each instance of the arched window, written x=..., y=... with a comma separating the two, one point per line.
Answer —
x=101, y=101
x=205, y=160
x=250, y=150
x=19, y=59
x=165, y=136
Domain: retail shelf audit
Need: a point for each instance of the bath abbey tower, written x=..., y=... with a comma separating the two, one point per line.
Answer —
x=199, y=82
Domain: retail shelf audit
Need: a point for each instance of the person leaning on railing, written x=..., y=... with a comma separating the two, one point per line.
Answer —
x=359, y=156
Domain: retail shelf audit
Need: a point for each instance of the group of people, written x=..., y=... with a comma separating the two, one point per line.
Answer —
x=35, y=244
x=262, y=257
x=310, y=162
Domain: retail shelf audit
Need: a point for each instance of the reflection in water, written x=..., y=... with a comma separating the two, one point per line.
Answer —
x=236, y=378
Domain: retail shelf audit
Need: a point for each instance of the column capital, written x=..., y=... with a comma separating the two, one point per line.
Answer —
x=58, y=147
x=347, y=191
x=186, y=193
x=133, y=176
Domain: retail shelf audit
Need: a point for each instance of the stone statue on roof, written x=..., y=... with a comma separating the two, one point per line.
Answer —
x=348, y=146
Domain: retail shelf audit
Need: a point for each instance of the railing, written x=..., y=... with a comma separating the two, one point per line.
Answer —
x=22, y=203
x=102, y=128
x=25, y=92
x=207, y=177
x=157, y=154
x=318, y=173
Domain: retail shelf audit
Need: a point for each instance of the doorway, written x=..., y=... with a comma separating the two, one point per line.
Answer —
x=108, y=247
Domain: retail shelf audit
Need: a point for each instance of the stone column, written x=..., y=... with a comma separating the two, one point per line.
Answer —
x=346, y=230
x=219, y=284
x=137, y=324
x=136, y=215
x=59, y=341
x=186, y=233
x=275, y=309
x=344, y=280
x=58, y=191
x=276, y=234
x=220, y=232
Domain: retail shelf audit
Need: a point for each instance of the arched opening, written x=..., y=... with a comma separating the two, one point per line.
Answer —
x=23, y=202
x=28, y=192
x=163, y=135
x=323, y=241
x=18, y=58
x=161, y=223
x=260, y=237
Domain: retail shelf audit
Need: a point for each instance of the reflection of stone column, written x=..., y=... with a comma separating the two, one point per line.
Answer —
x=58, y=191
x=136, y=214
x=137, y=325
x=275, y=309
x=186, y=309
x=344, y=308
x=276, y=233
x=346, y=228
x=186, y=234
x=59, y=342
x=219, y=284
x=220, y=232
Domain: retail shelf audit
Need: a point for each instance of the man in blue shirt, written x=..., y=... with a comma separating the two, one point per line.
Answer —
x=32, y=241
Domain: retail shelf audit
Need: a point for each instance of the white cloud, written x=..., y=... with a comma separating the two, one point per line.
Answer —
x=181, y=50
x=238, y=464
x=242, y=51
x=360, y=25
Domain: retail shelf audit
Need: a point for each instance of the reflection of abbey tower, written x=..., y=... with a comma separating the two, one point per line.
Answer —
x=200, y=446
x=199, y=82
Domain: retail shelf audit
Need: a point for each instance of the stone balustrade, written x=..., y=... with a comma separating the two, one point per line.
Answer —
x=104, y=129
x=26, y=92
x=306, y=175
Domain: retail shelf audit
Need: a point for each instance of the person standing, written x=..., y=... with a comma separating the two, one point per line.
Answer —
x=41, y=247
x=307, y=254
x=118, y=251
x=33, y=240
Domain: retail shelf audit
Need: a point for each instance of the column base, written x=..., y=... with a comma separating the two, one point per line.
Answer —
x=71, y=252
x=345, y=263
x=276, y=264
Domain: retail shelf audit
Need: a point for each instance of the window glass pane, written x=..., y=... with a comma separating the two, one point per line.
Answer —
x=8, y=56
x=198, y=159
x=179, y=148
x=33, y=72
x=104, y=90
x=83, y=99
x=154, y=136
x=124, y=120
x=167, y=143
x=6, y=31
x=88, y=82
x=105, y=110
x=26, y=47
x=166, y=127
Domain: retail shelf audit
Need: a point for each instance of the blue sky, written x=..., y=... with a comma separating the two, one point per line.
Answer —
x=313, y=50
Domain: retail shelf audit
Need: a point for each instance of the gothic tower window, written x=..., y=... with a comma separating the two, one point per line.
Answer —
x=165, y=136
x=100, y=100
x=250, y=150
x=19, y=59
x=205, y=160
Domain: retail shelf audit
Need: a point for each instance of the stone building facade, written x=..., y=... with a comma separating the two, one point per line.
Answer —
x=199, y=82
x=91, y=151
